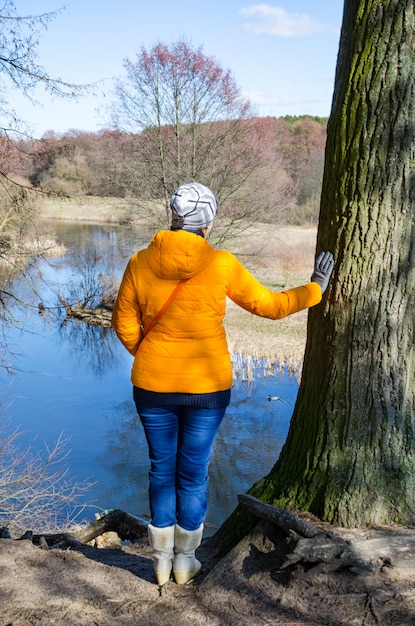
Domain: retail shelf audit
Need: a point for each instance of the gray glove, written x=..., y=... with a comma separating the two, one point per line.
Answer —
x=323, y=269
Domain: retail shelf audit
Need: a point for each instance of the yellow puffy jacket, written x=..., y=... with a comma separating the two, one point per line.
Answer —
x=187, y=351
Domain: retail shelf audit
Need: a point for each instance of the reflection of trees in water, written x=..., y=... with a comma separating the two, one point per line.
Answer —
x=95, y=258
x=126, y=458
x=91, y=281
x=95, y=347
x=115, y=243
x=248, y=443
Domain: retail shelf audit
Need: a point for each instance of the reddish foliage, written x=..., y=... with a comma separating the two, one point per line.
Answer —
x=290, y=152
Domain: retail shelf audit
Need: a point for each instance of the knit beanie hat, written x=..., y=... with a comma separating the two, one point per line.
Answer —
x=193, y=207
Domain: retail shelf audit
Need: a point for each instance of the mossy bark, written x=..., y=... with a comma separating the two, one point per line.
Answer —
x=349, y=456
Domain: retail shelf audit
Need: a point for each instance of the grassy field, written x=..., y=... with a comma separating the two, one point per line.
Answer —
x=279, y=256
x=86, y=208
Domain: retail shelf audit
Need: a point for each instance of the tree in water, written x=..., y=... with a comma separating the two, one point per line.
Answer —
x=349, y=455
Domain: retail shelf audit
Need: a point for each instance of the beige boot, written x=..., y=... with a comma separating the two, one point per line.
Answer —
x=185, y=564
x=162, y=542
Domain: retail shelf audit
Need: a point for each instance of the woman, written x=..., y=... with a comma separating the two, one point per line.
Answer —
x=168, y=314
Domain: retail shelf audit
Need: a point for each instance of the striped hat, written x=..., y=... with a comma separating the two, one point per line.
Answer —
x=193, y=207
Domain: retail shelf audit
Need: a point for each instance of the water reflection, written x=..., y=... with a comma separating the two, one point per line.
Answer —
x=93, y=346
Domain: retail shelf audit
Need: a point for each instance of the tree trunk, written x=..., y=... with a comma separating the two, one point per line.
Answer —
x=349, y=456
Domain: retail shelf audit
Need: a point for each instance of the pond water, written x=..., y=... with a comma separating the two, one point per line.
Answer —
x=73, y=379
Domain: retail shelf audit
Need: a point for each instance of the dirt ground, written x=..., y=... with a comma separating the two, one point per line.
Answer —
x=255, y=584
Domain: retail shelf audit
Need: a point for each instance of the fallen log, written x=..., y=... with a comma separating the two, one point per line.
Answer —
x=99, y=316
x=127, y=527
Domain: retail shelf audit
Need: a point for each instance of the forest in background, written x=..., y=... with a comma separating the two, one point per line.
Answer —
x=289, y=158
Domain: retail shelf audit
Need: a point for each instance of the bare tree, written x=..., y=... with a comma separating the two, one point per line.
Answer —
x=191, y=123
x=19, y=65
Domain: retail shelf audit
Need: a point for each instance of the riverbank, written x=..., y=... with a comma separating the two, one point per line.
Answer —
x=281, y=260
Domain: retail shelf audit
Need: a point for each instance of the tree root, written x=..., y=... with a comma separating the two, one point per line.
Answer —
x=359, y=550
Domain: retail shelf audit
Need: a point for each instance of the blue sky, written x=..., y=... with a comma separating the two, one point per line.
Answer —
x=282, y=54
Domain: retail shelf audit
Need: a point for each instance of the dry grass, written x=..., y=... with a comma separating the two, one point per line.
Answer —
x=279, y=256
x=87, y=208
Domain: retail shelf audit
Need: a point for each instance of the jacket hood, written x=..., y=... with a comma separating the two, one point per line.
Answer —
x=178, y=254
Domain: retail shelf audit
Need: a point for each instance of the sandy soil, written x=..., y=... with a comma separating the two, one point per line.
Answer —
x=252, y=585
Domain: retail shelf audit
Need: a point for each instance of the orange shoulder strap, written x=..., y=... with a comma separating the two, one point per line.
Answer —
x=163, y=308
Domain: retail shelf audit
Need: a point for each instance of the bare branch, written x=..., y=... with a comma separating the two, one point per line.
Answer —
x=35, y=489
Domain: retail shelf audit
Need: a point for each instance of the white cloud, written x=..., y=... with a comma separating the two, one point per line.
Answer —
x=277, y=21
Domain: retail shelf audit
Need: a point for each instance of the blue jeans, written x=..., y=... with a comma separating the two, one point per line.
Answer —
x=180, y=441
